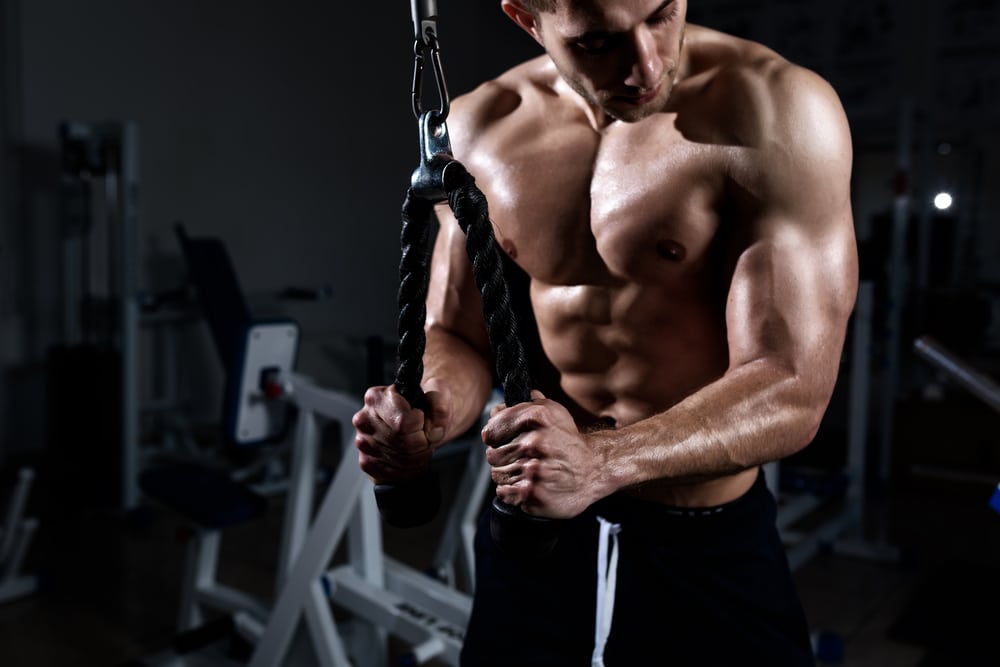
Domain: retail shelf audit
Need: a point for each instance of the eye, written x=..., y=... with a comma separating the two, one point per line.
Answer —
x=593, y=45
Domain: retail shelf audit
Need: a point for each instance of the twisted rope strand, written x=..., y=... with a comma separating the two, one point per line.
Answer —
x=411, y=298
x=472, y=212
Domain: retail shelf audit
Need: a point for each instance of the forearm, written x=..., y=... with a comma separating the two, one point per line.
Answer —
x=454, y=362
x=757, y=413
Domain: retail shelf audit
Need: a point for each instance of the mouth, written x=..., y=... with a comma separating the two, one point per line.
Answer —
x=643, y=97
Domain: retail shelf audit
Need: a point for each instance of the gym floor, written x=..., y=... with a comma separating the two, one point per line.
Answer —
x=110, y=585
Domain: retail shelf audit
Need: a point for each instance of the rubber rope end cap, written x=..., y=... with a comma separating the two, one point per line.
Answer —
x=522, y=535
x=410, y=503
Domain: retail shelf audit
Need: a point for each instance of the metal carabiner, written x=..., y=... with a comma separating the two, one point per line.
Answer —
x=425, y=39
x=427, y=180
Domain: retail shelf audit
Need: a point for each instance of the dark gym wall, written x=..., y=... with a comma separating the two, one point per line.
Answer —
x=286, y=129
x=283, y=128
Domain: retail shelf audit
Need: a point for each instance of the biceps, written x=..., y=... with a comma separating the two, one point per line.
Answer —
x=790, y=300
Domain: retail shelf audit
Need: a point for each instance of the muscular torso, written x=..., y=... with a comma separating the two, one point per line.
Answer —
x=623, y=236
x=630, y=234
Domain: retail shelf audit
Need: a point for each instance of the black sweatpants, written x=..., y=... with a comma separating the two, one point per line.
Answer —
x=695, y=587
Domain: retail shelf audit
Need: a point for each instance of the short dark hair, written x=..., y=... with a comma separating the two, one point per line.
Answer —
x=537, y=7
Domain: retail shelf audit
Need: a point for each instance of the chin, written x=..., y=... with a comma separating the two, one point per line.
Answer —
x=633, y=113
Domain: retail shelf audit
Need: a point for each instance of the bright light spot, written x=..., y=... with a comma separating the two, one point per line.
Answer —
x=943, y=201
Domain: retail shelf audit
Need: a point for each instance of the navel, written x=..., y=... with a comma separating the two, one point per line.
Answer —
x=671, y=250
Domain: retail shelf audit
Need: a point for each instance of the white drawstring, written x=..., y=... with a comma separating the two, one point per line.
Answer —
x=607, y=576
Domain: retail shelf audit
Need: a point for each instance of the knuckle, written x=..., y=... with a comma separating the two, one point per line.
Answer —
x=395, y=422
x=361, y=420
x=532, y=445
x=535, y=414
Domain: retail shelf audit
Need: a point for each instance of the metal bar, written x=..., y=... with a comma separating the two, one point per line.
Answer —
x=129, y=251
x=328, y=646
x=859, y=401
x=15, y=512
x=441, y=600
x=401, y=617
x=897, y=294
x=328, y=529
x=961, y=372
x=299, y=506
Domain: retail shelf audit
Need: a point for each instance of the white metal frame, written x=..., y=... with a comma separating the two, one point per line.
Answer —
x=377, y=595
x=381, y=595
x=201, y=591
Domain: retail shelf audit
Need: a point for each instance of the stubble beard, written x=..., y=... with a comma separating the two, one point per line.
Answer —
x=614, y=107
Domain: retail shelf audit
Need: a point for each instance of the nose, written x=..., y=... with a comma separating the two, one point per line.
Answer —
x=647, y=66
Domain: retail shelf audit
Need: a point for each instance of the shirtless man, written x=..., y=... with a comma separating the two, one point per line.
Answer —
x=678, y=200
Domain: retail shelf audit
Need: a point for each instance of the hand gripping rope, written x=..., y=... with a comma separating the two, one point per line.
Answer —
x=440, y=177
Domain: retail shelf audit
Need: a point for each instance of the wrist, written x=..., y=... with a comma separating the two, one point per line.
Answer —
x=608, y=479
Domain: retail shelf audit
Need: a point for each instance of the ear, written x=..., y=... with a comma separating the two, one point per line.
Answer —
x=522, y=17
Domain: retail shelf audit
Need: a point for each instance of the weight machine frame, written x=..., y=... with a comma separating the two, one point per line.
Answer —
x=15, y=538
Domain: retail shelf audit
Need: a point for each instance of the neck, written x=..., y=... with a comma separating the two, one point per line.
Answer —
x=595, y=115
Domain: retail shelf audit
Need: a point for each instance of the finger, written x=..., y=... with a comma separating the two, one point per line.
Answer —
x=374, y=433
x=506, y=475
x=503, y=455
x=438, y=418
x=381, y=434
x=391, y=454
x=390, y=413
x=362, y=422
x=377, y=458
x=511, y=495
x=502, y=427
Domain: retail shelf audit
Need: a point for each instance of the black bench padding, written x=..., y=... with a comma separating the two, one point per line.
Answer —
x=204, y=495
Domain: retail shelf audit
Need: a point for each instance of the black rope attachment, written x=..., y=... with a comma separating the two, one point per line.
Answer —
x=412, y=502
x=411, y=298
x=472, y=213
x=439, y=177
x=516, y=533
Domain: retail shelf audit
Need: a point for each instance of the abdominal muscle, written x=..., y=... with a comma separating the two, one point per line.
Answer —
x=621, y=365
x=626, y=353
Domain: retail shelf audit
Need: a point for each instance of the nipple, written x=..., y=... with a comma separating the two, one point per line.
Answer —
x=671, y=250
x=509, y=248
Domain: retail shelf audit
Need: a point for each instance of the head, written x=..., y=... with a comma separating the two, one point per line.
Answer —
x=621, y=56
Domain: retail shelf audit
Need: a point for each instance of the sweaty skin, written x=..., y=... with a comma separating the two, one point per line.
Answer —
x=679, y=201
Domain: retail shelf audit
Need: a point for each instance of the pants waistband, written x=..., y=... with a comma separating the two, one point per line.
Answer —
x=621, y=506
